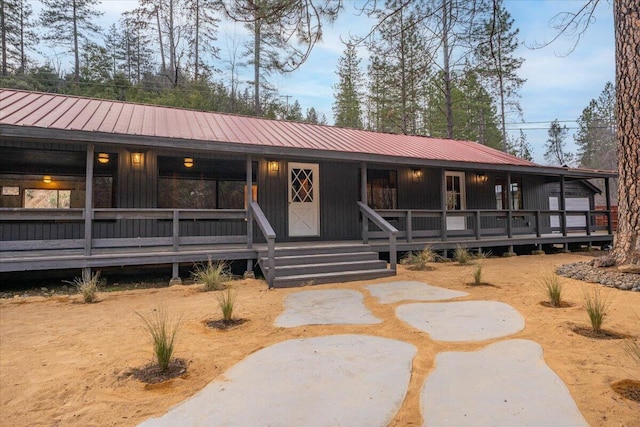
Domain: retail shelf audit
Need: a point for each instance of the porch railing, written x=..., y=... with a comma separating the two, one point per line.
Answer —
x=420, y=223
x=42, y=229
x=387, y=229
x=270, y=235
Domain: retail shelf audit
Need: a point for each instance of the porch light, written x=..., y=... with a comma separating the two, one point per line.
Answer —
x=417, y=174
x=136, y=158
x=274, y=166
x=188, y=162
x=103, y=158
x=482, y=177
x=47, y=179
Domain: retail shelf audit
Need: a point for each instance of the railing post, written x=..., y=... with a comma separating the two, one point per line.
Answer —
x=271, y=254
x=363, y=199
x=589, y=223
x=409, y=227
x=88, y=202
x=477, y=225
x=563, y=206
x=509, y=208
x=538, y=229
x=393, y=252
x=607, y=191
x=176, y=230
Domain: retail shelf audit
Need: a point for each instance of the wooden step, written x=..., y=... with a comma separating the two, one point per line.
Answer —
x=321, y=258
x=331, y=267
x=316, y=279
x=293, y=250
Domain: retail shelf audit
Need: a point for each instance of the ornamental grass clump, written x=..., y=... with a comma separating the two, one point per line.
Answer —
x=477, y=275
x=213, y=275
x=552, y=288
x=420, y=260
x=87, y=287
x=226, y=302
x=163, y=329
x=596, y=305
x=462, y=255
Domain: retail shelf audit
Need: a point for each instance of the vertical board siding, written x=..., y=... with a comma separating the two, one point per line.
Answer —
x=339, y=213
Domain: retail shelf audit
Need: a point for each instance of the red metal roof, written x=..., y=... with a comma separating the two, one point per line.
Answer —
x=64, y=112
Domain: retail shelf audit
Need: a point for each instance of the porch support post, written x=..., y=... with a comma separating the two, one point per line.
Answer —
x=443, y=205
x=509, y=208
x=88, y=208
x=363, y=199
x=175, y=273
x=607, y=192
x=563, y=206
x=247, y=202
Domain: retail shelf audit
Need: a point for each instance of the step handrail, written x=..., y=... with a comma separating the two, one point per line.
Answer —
x=270, y=235
x=382, y=223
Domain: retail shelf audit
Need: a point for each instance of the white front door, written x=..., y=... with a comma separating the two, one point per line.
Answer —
x=456, y=199
x=304, y=206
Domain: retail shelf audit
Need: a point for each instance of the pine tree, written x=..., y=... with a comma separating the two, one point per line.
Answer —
x=397, y=70
x=69, y=24
x=520, y=147
x=347, y=108
x=17, y=35
x=596, y=135
x=497, y=43
x=202, y=36
x=555, y=148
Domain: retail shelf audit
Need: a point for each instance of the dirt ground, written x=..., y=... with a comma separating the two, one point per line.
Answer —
x=63, y=362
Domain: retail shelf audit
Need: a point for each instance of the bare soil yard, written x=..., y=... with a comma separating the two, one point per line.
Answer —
x=63, y=362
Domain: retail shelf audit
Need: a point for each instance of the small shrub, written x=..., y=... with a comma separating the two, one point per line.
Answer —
x=462, y=255
x=552, y=288
x=226, y=301
x=420, y=260
x=88, y=288
x=596, y=305
x=163, y=330
x=477, y=275
x=213, y=275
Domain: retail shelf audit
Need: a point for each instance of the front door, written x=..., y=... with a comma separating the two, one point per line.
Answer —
x=456, y=199
x=304, y=206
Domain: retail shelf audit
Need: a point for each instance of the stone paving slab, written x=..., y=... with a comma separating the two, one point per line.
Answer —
x=505, y=384
x=338, y=380
x=389, y=293
x=462, y=321
x=325, y=307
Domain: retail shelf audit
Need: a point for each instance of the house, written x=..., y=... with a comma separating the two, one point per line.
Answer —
x=90, y=184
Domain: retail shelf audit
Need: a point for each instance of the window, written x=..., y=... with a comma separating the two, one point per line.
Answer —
x=501, y=194
x=47, y=199
x=186, y=193
x=382, y=189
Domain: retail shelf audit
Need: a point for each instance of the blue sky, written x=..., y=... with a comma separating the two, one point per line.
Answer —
x=558, y=86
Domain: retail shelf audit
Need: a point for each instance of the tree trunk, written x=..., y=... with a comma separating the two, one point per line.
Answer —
x=76, y=47
x=3, y=29
x=446, y=69
x=256, y=66
x=627, y=31
x=196, y=39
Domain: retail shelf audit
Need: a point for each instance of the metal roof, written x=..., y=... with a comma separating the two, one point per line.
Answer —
x=72, y=113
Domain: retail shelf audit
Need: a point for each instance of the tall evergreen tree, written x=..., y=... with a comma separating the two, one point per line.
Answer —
x=520, y=147
x=556, y=151
x=17, y=35
x=497, y=42
x=202, y=36
x=347, y=107
x=596, y=135
x=398, y=67
x=69, y=24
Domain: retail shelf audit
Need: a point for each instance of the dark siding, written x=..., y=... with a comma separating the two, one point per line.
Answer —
x=339, y=214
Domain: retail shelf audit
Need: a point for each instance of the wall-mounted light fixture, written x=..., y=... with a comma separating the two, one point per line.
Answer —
x=417, y=173
x=482, y=177
x=103, y=158
x=274, y=166
x=188, y=162
x=46, y=179
x=136, y=158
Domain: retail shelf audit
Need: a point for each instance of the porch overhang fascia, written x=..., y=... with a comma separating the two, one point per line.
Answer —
x=86, y=137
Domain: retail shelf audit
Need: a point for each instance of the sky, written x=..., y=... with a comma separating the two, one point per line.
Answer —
x=558, y=85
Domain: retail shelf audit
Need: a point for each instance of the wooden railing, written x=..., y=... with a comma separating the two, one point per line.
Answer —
x=389, y=230
x=421, y=223
x=24, y=229
x=270, y=235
